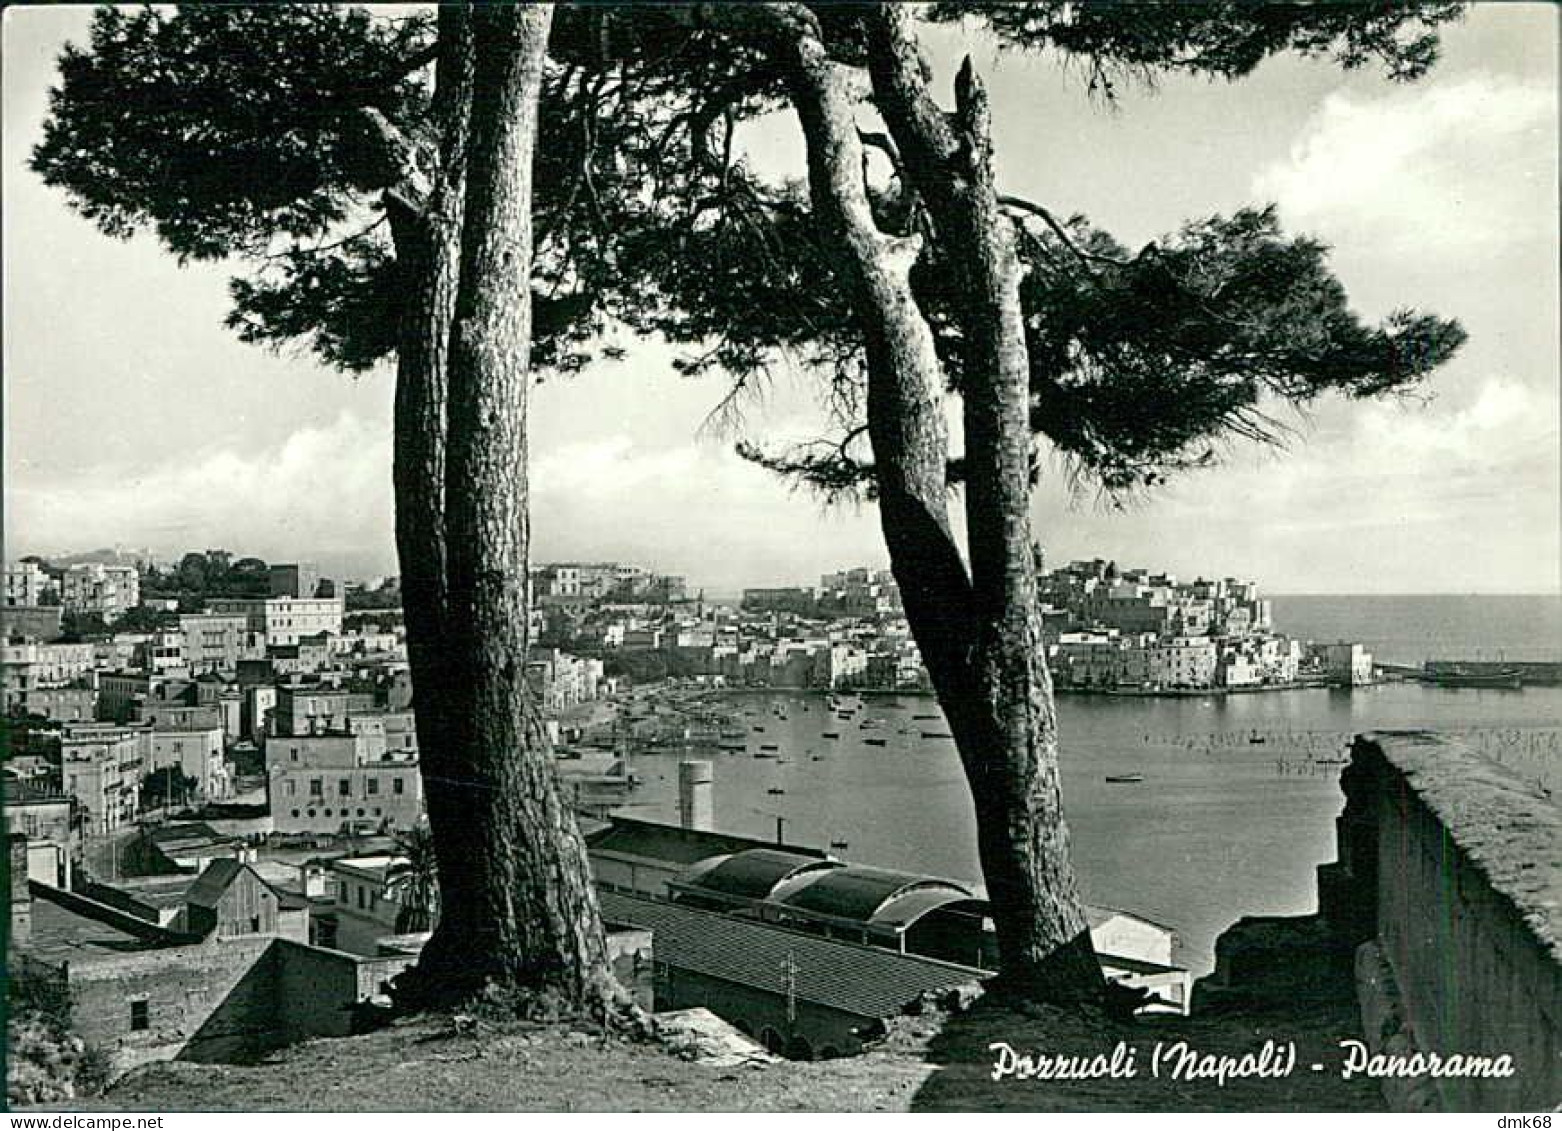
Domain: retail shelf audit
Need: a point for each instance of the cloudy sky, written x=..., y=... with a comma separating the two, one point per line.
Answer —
x=133, y=418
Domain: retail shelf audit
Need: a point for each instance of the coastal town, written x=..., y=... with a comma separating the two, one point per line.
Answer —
x=213, y=769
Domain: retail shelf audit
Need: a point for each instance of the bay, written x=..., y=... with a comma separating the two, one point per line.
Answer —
x=1222, y=826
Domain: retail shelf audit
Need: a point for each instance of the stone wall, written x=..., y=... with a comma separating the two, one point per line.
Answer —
x=1449, y=877
x=222, y=1001
x=207, y=1003
x=810, y=1032
x=320, y=991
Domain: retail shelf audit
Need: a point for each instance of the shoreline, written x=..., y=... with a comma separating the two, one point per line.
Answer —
x=1104, y=692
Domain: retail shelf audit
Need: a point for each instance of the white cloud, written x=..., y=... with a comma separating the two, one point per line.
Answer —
x=1442, y=168
x=607, y=467
x=1380, y=497
x=325, y=489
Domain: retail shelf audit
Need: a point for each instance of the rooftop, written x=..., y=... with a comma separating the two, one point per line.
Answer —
x=858, y=892
x=186, y=836
x=370, y=867
x=207, y=889
x=61, y=934
x=754, y=873
x=677, y=845
x=870, y=982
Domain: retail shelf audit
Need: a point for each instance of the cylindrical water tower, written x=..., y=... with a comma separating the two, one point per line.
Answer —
x=694, y=794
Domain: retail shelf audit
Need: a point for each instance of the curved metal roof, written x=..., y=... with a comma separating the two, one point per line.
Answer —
x=694, y=873
x=902, y=911
x=858, y=892
x=753, y=874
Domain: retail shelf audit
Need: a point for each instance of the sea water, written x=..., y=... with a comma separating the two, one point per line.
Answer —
x=1234, y=814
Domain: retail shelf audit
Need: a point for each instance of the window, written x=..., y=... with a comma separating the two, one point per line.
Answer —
x=398, y=786
x=294, y=753
x=295, y=813
x=344, y=787
x=316, y=787
x=290, y=787
x=373, y=786
x=140, y=1016
x=341, y=892
x=360, y=898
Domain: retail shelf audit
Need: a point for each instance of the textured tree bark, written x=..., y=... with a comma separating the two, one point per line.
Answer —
x=1004, y=721
x=427, y=234
x=979, y=633
x=906, y=424
x=518, y=903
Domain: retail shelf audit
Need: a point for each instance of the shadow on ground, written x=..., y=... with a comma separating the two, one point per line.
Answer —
x=1315, y=1011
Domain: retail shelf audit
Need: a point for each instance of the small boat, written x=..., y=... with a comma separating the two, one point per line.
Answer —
x=936, y=734
x=769, y=746
x=832, y=734
x=759, y=730
x=1124, y=779
x=924, y=716
x=875, y=741
x=1256, y=739
x=775, y=790
x=841, y=844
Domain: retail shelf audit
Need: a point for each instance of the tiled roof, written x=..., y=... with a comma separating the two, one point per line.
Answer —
x=869, y=982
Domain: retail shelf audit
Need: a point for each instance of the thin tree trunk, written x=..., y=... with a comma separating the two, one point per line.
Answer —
x=518, y=904
x=1004, y=721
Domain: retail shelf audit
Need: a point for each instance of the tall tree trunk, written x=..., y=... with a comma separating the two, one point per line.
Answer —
x=427, y=232
x=1003, y=717
x=518, y=904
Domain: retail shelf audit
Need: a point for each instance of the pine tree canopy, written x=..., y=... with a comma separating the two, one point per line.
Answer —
x=273, y=137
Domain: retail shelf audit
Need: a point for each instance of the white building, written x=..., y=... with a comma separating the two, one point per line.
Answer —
x=109, y=590
x=320, y=782
x=284, y=620
x=197, y=752
x=102, y=765
x=1183, y=661
x=25, y=583
x=363, y=909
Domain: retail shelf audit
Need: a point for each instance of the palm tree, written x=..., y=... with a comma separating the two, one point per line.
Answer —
x=413, y=881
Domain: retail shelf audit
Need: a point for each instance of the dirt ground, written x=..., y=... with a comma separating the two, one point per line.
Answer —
x=937, y=1064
